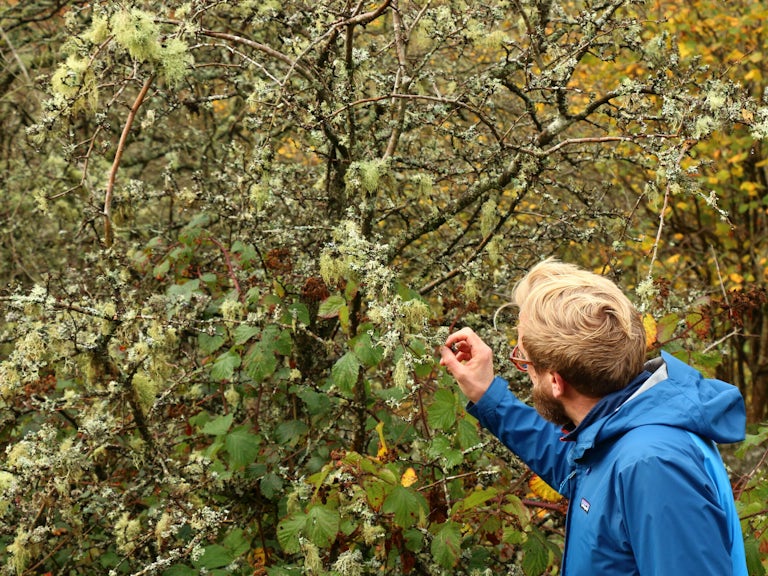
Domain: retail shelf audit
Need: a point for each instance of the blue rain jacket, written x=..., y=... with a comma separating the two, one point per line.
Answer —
x=648, y=491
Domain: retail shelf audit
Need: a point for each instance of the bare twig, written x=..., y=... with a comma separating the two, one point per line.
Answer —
x=719, y=276
x=687, y=145
x=402, y=64
x=600, y=139
x=732, y=333
x=15, y=55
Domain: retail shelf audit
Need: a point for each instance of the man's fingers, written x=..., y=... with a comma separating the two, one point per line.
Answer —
x=461, y=342
x=447, y=357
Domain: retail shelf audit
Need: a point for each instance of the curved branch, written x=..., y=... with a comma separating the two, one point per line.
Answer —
x=108, y=232
x=293, y=64
x=597, y=140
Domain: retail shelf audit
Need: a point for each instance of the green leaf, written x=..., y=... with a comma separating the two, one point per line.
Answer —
x=288, y=433
x=288, y=531
x=109, y=559
x=752, y=550
x=244, y=332
x=242, y=446
x=286, y=571
x=752, y=440
x=214, y=556
x=666, y=327
x=237, y=542
x=438, y=446
x=425, y=362
x=283, y=343
x=247, y=253
x=260, y=362
x=376, y=491
x=184, y=290
x=414, y=539
x=466, y=433
x=219, y=425
x=407, y=506
x=225, y=365
x=442, y=412
x=300, y=312
x=315, y=402
x=322, y=525
x=331, y=306
x=270, y=485
x=209, y=278
x=162, y=268
x=369, y=354
x=515, y=507
x=707, y=363
x=446, y=545
x=535, y=555
x=473, y=500
x=209, y=344
x=345, y=372
x=181, y=570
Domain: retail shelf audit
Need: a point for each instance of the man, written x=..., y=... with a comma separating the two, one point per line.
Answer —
x=631, y=444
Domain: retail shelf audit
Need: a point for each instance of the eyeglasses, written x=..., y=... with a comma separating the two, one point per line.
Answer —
x=517, y=359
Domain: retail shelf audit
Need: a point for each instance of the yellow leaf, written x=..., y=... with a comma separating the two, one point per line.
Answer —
x=257, y=557
x=651, y=330
x=383, y=450
x=646, y=244
x=750, y=188
x=219, y=107
x=543, y=490
x=409, y=477
x=736, y=278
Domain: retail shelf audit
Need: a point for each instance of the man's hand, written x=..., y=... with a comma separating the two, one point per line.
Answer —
x=470, y=361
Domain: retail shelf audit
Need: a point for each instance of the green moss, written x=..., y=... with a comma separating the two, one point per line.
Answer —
x=137, y=33
x=175, y=61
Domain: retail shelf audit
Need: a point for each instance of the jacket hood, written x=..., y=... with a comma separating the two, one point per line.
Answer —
x=674, y=394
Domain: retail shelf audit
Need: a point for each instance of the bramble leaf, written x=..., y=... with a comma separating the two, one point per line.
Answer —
x=345, y=372
x=407, y=506
x=446, y=545
x=322, y=525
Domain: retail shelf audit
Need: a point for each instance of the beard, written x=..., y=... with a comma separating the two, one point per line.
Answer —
x=549, y=407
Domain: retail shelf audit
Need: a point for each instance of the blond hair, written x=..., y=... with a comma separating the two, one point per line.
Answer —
x=580, y=325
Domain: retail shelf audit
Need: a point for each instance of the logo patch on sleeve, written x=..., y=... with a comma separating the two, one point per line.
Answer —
x=585, y=505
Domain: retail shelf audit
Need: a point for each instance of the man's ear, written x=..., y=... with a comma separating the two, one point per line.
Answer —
x=559, y=385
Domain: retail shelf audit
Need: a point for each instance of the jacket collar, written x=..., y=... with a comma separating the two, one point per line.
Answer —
x=584, y=434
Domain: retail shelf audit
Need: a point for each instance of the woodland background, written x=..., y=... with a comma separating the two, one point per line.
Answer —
x=234, y=234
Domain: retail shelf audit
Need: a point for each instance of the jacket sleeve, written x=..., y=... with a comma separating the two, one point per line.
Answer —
x=672, y=518
x=521, y=429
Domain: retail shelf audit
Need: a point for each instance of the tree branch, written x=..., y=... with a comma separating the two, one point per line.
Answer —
x=108, y=232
